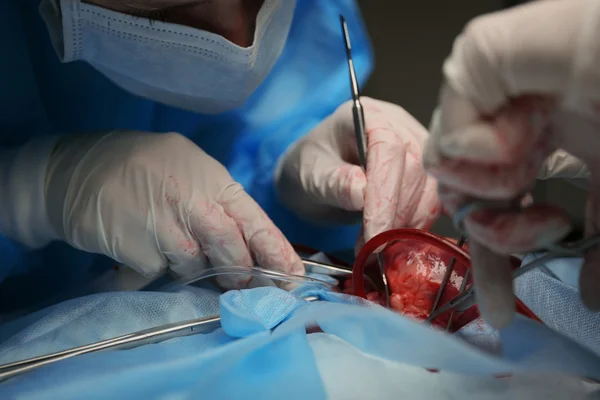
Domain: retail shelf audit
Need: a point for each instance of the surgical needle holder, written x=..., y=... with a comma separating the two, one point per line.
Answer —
x=360, y=131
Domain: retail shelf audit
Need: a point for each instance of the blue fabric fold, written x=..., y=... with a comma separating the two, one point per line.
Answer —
x=261, y=351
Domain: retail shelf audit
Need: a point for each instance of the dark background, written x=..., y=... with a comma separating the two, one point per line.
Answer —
x=411, y=41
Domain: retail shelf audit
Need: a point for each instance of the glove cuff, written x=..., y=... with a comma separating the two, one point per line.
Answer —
x=23, y=214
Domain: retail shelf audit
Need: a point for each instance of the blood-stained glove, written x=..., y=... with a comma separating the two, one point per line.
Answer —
x=320, y=177
x=151, y=201
x=519, y=85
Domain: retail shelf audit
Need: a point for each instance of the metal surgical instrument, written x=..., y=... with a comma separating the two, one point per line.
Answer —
x=577, y=249
x=128, y=341
x=360, y=132
x=446, y=278
x=357, y=108
x=253, y=271
x=466, y=299
x=179, y=329
x=311, y=266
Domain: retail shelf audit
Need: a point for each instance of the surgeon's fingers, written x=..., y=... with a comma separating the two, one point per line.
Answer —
x=177, y=241
x=267, y=245
x=507, y=137
x=187, y=259
x=493, y=158
x=507, y=232
x=396, y=182
x=492, y=276
x=488, y=181
x=429, y=207
x=221, y=241
x=332, y=172
x=341, y=186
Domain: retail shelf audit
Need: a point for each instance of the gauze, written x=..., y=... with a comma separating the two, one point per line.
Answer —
x=173, y=64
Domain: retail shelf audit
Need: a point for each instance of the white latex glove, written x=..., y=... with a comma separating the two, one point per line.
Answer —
x=519, y=84
x=320, y=179
x=157, y=201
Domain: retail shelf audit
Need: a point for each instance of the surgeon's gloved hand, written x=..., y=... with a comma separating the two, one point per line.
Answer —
x=157, y=202
x=320, y=177
x=519, y=84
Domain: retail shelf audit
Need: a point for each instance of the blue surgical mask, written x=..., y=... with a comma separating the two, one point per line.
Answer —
x=173, y=64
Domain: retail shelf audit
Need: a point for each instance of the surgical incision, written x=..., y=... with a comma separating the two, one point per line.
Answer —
x=414, y=272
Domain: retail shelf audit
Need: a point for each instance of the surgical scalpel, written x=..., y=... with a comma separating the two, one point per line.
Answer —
x=360, y=132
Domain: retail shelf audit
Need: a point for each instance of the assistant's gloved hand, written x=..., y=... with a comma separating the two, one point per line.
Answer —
x=157, y=201
x=320, y=177
x=519, y=84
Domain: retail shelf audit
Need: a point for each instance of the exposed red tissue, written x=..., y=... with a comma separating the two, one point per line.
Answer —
x=414, y=272
x=413, y=296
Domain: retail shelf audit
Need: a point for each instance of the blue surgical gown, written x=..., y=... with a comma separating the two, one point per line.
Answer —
x=41, y=96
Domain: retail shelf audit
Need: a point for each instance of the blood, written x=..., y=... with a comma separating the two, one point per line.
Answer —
x=413, y=296
x=414, y=273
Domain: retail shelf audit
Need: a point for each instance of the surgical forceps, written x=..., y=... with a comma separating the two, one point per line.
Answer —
x=173, y=330
x=467, y=298
x=360, y=132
